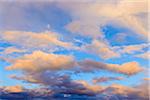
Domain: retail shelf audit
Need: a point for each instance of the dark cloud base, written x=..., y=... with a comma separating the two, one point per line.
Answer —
x=65, y=96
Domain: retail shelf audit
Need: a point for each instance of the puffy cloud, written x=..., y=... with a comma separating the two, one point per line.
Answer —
x=34, y=40
x=61, y=83
x=43, y=68
x=81, y=87
x=138, y=92
x=120, y=89
x=114, y=91
x=16, y=88
x=89, y=17
x=129, y=68
x=94, y=88
x=100, y=48
x=105, y=51
x=105, y=79
x=40, y=61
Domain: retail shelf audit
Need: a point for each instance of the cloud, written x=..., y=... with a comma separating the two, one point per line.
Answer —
x=143, y=55
x=60, y=83
x=131, y=49
x=84, y=89
x=11, y=50
x=42, y=68
x=34, y=40
x=147, y=79
x=120, y=91
x=100, y=48
x=105, y=79
x=87, y=29
x=40, y=61
x=105, y=51
x=48, y=70
x=16, y=88
x=120, y=37
x=45, y=69
x=93, y=88
x=129, y=68
x=88, y=18
x=27, y=78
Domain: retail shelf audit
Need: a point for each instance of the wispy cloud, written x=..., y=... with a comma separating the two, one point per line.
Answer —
x=144, y=55
x=89, y=17
x=104, y=50
x=105, y=79
x=34, y=40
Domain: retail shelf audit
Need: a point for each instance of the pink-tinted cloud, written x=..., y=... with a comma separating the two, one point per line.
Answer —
x=11, y=50
x=100, y=48
x=129, y=68
x=130, y=49
x=105, y=79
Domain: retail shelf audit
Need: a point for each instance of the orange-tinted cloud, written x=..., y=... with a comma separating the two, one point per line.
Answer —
x=129, y=68
x=147, y=79
x=34, y=40
x=40, y=61
x=93, y=88
x=16, y=88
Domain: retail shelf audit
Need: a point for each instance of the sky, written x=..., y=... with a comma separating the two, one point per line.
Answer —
x=90, y=47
